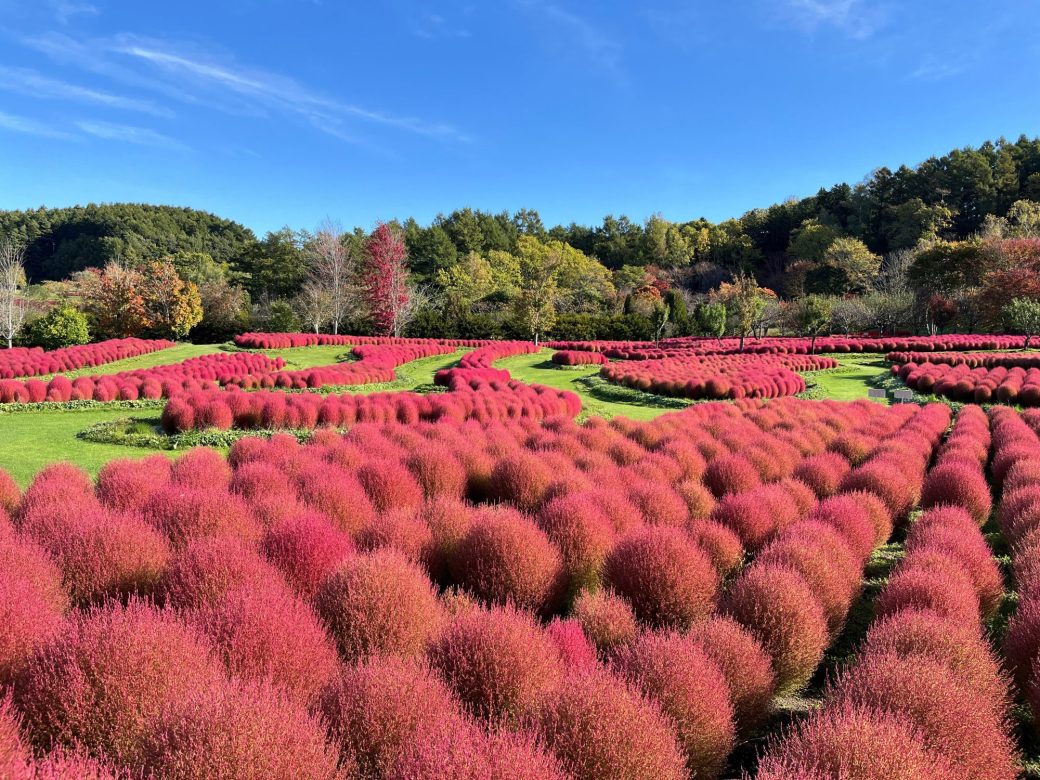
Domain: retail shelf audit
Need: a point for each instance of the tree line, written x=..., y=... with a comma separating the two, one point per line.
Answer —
x=946, y=244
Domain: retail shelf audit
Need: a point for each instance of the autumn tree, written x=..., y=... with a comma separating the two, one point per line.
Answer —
x=12, y=289
x=113, y=301
x=850, y=265
x=745, y=301
x=386, y=286
x=174, y=306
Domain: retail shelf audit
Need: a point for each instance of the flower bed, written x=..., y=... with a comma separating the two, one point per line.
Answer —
x=21, y=362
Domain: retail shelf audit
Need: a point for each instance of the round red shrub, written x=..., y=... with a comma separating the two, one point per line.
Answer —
x=264, y=632
x=949, y=593
x=10, y=495
x=745, y=664
x=506, y=557
x=389, y=485
x=439, y=472
x=377, y=708
x=600, y=729
x=958, y=484
x=204, y=571
x=692, y=691
x=125, y=484
x=499, y=662
x=659, y=503
x=853, y=743
x=186, y=513
x=748, y=516
x=29, y=622
x=520, y=479
x=951, y=719
x=338, y=494
x=730, y=474
x=449, y=520
x=664, y=575
x=912, y=633
x=606, y=619
x=307, y=549
x=582, y=533
x=973, y=554
x=851, y=518
x=131, y=663
x=699, y=500
x=822, y=472
x=379, y=603
x=238, y=731
x=776, y=605
x=202, y=468
x=257, y=480
x=720, y=543
x=577, y=652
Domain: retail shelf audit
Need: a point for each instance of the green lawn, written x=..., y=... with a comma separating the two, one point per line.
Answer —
x=853, y=379
x=31, y=440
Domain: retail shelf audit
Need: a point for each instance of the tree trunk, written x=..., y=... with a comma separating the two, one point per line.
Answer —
x=812, y=346
x=741, y=342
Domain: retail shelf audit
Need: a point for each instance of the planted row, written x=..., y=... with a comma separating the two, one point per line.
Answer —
x=970, y=359
x=21, y=362
x=973, y=385
x=718, y=377
x=290, y=340
x=571, y=357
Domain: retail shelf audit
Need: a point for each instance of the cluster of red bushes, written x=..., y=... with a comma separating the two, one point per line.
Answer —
x=198, y=373
x=718, y=376
x=979, y=385
x=289, y=340
x=970, y=359
x=1016, y=471
x=476, y=399
x=514, y=598
x=926, y=697
x=574, y=357
x=19, y=362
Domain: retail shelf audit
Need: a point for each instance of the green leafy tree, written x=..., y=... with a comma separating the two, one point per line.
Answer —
x=745, y=301
x=276, y=266
x=814, y=318
x=680, y=314
x=535, y=308
x=1023, y=315
x=853, y=267
x=62, y=326
x=711, y=319
x=811, y=240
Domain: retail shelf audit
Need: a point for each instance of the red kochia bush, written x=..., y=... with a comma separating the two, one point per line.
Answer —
x=749, y=516
x=438, y=471
x=202, y=468
x=745, y=664
x=848, y=516
x=379, y=603
x=606, y=619
x=338, y=493
x=668, y=580
x=9, y=492
x=958, y=484
x=389, y=485
x=130, y=663
x=307, y=549
x=240, y=730
x=822, y=472
x=730, y=474
x=521, y=479
x=582, y=532
x=948, y=592
x=691, y=689
x=720, y=543
x=377, y=708
x=951, y=718
x=263, y=631
x=125, y=484
x=506, y=557
x=600, y=729
x=577, y=652
x=29, y=620
x=185, y=513
x=913, y=633
x=204, y=571
x=500, y=662
x=853, y=743
x=778, y=607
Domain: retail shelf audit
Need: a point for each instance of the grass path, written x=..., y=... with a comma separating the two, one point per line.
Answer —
x=852, y=380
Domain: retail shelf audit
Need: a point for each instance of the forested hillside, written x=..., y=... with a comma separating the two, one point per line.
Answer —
x=911, y=248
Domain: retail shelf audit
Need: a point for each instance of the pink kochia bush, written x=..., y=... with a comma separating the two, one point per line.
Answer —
x=578, y=358
x=33, y=362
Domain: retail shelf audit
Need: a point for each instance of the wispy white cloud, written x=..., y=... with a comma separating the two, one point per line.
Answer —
x=427, y=25
x=937, y=69
x=199, y=76
x=24, y=81
x=599, y=48
x=26, y=126
x=65, y=10
x=141, y=136
x=856, y=19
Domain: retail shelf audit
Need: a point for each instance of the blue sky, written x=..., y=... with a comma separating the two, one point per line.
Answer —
x=276, y=112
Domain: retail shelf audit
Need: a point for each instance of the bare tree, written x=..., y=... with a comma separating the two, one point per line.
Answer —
x=12, y=288
x=332, y=272
x=314, y=304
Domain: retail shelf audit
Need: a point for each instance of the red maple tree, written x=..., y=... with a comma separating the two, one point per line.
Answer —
x=385, y=283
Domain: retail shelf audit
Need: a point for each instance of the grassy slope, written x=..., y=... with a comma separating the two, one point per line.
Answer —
x=852, y=380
